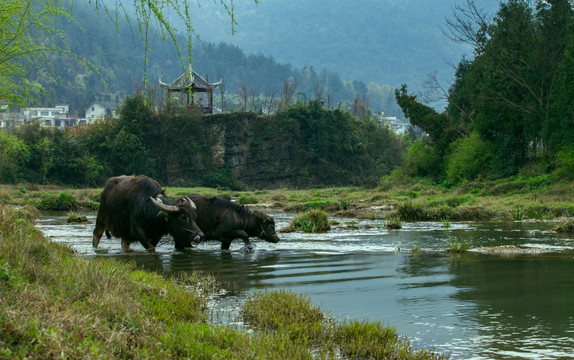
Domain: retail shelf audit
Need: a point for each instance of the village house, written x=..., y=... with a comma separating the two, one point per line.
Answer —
x=103, y=110
x=397, y=126
x=56, y=117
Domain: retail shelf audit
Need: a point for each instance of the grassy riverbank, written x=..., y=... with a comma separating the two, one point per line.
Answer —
x=541, y=197
x=58, y=305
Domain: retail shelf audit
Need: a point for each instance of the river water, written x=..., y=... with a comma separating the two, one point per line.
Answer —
x=471, y=306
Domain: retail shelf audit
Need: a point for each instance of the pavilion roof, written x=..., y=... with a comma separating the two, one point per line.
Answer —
x=190, y=79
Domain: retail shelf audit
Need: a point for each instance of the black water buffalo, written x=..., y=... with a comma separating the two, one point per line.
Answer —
x=224, y=220
x=135, y=208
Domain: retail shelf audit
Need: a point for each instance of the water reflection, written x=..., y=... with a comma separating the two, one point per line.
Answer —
x=473, y=306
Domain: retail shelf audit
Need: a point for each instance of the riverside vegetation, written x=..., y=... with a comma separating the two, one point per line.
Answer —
x=58, y=304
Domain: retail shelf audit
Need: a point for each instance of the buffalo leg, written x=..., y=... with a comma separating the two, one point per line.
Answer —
x=99, y=230
x=126, y=243
x=143, y=239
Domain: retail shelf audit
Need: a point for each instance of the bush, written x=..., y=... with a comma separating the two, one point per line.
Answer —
x=470, y=158
x=423, y=159
x=565, y=163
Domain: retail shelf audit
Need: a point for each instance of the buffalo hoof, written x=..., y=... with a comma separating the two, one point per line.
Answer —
x=249, y=248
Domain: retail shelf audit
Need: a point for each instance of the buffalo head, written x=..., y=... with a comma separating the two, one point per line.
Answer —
x=267, y=225
x=180, y=220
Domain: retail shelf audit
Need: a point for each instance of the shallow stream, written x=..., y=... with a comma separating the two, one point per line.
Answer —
x=473, y=306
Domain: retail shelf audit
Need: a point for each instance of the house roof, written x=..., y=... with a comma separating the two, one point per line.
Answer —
x=190, y=79
x=105, y=104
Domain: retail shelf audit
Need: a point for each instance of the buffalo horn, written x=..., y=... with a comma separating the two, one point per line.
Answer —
x=191, y=203
x=162, y=206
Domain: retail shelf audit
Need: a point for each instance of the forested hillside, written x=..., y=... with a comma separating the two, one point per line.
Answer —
x=118, y=56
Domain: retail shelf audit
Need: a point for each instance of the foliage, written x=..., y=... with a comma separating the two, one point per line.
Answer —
x=285, y=312
x=457, y=246
x=14, y=153
x=515, y=92
x=470, y=158
x=394, y=223
x=247, y=199
x=441, y=128
x=307, y=144
x=422, y=160
x=28, y=35
x=565, y=162
x=35, y=36
x=289, y=315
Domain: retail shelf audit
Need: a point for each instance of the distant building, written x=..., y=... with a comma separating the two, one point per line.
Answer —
x=101, y=110
x=10, y=120
x=54, y=117
x=192, y=83
x=393, y=123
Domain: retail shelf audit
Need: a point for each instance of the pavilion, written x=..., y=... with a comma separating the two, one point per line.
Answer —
x=190, y=83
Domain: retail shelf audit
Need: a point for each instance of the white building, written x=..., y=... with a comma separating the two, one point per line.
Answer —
x=56, y=117
x=101, y=110
x=393, y=123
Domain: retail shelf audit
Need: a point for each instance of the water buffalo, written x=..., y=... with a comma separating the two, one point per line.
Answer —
x=224, y=220
x=135, y=208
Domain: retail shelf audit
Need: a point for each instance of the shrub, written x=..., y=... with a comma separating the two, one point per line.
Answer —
x=422, y=159
x=470, y=158
x=565, y=163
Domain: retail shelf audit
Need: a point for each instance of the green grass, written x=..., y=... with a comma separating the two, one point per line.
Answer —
x=288, y=315
x=64, y=201
x=516, y=198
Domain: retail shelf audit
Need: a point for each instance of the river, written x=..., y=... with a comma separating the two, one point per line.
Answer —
x=471, y=306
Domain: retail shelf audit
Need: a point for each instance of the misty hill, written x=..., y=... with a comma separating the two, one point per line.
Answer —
x=119, y=56
x=385, y=41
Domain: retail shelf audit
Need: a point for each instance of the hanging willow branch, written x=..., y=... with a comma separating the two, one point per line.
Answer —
x=30, y=30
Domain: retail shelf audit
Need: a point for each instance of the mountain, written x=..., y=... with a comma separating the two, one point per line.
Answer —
x=384, y=41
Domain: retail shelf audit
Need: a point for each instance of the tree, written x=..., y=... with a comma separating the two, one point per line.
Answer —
x=440, y=127
x=30, y=30
x=507, y=89
x=13, y=154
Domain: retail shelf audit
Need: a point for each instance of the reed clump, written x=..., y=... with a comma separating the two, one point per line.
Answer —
x=314, y=220
x=566, y=225
x=286, y=314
